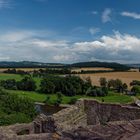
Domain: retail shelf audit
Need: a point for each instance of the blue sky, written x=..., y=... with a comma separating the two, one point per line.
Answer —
x=70, y=31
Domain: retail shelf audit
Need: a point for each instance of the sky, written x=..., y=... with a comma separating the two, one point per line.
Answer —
x=68, y=31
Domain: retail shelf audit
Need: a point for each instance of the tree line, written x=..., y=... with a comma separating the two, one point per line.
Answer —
x=66, y=85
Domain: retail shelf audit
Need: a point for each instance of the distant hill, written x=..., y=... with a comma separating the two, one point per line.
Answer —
x=115, y=66
x=30, y=64
x=133, y=65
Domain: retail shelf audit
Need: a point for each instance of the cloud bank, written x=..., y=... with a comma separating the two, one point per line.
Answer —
x=28, y=45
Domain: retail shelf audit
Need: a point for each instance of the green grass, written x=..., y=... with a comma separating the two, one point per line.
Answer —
x=5, y=76
x=40, y=97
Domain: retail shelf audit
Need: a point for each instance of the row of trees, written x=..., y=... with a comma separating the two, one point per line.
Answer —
x=119, y=86
x=27, y=84
x=115, y=84
x=14, y=71
x=67, y=85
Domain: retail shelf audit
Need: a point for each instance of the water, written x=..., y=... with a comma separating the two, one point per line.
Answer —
x=47, y=109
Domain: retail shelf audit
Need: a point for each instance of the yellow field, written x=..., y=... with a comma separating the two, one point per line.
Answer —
x=91, y=69
x=126, y=77
x=24, y=69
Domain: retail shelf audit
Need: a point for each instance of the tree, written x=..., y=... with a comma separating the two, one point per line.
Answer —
x=111, y=83
x=59, y=99
x=27, y=84
x=118, y=85
x=125, y=87
x=46, y=86
x=8, y=84
x=91, y=92
x=105, y=90
x=136, y=89
x=103, y=82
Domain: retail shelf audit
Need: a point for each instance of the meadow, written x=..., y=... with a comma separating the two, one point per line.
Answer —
x=40, y=97
x=91, y=69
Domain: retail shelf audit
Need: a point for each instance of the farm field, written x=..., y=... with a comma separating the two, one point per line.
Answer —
x=91, y=69
x=40, y=97
x=126, y=77
x=24, y=69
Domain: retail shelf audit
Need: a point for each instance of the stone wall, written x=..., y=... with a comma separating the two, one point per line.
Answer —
x=72, y=116
x=100, y=113
x=75, y=121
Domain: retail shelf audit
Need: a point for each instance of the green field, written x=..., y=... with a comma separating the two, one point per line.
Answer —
x=5, y=76
x=40, y=97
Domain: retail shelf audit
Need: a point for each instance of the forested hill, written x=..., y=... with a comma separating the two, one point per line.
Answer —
x=133, y=65
x=115, y=66
x=30, y=64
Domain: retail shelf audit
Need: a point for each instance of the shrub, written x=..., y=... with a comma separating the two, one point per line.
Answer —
x=9, y=84
x=136, y=89
x=72, y=101
x=11, y=103
x=47, y=100
x=27, y=84
x=14, y=118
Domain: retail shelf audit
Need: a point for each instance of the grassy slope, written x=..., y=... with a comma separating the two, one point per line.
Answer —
x=40, y=97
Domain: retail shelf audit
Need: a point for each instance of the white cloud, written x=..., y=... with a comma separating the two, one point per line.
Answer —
x=93, y=30
x=49, y=44
x=131, y=14
x=16, y=36
x=106, y=15
x=30, y=45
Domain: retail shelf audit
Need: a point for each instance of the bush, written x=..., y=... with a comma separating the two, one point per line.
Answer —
x=59, y=99
x=9, y=84
x=136, y=89
x=95, y=91
x=91, y=92
x=47, y=100
x=27, y=84
x=11, y=103
x=14, y=118
x=72, y=101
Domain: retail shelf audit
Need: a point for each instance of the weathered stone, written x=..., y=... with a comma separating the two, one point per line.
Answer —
x=86, y=120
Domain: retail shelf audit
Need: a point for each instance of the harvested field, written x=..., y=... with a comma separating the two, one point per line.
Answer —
x=24, y=69
x=126, y=77
x=91, y=69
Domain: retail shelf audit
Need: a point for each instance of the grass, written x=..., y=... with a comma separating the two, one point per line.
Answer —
x=5, y=76
x=40, y=97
